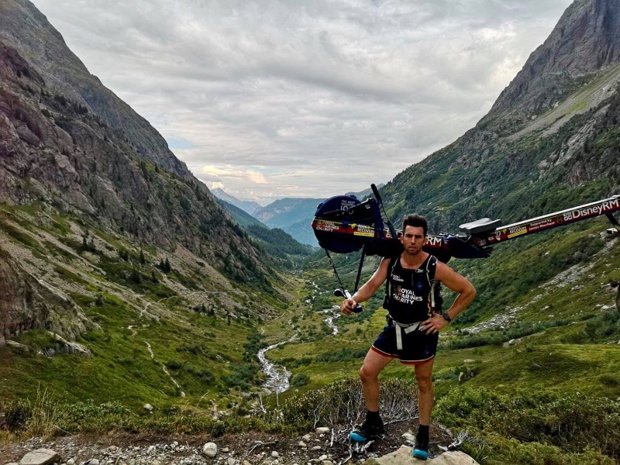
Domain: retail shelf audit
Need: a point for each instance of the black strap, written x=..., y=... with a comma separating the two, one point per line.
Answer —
x=613, y=221
x=388, y=294
x=359, y=270
x=334, y=268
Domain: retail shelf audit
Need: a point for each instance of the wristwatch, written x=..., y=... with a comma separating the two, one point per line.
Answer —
x=446, y=317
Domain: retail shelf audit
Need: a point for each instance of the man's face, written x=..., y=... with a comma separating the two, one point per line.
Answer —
x=413, y=239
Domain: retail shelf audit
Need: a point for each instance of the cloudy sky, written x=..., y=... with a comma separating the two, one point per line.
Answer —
x=288, y=98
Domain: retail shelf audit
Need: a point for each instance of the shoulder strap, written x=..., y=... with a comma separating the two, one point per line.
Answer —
x=431, y=267
x=391, y=266
x=434, y=294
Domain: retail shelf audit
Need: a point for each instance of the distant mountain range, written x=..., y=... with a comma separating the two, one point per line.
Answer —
x=248, y=206
x=292, y=215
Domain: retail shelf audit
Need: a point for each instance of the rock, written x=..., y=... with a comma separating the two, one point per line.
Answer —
x=93, y=462
x=453, y=458
x=403, y=456
x=40, y=457
x=17, y=346
x=322, y=430
x=231, y=461
x=148, y=407
x=209, y=450
x=302, y=444
x=409, y=438
x=274, y=454
x=306, y=438
x=315, y=448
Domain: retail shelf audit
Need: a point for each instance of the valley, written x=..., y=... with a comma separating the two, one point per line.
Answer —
x=135, y=306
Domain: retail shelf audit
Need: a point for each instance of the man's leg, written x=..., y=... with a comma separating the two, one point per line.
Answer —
x=424, y=376
x=373, y=364
x=372, y=427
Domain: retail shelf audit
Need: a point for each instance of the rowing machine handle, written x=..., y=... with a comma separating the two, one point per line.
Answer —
x=375, y=192
x=347, y=295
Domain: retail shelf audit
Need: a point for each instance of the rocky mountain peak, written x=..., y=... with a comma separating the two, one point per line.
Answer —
x=28, y=31
x=585, y=40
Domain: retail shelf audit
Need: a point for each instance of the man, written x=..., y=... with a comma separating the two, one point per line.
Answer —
x=414, y=322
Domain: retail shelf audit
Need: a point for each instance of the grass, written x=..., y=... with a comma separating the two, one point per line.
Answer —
x=547, y=357
x=121, y=367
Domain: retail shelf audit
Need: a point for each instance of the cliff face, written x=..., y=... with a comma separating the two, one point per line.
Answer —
x=83, y=181
x=585, y=41
x=27, y=30
x=28, y=303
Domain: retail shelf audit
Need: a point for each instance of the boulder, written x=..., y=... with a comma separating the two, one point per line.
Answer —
x=403, y=456
x=40, y=457
x=209, y=450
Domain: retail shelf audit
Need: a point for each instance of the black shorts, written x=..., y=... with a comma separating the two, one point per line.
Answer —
x=418, y=347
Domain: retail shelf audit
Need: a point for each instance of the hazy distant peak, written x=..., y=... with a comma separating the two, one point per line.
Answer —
x=248, y=206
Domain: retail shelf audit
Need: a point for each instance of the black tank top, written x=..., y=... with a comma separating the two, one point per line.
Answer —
x=410, y=291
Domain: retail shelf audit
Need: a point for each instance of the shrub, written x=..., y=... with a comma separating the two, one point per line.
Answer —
x=572, y=421
x=341, y=404
x=300, y=380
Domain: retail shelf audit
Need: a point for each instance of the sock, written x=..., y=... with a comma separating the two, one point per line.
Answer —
x=373, y=417
x=423, y=431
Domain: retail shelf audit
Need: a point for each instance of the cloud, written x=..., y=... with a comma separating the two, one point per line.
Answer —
x=289, y=98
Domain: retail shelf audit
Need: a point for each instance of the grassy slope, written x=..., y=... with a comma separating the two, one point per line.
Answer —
x=202, y=351
x=547, y=350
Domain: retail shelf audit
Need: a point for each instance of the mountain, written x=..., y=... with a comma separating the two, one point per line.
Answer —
x=292, y=215
x=123, y=283
x=275, y=241
x=549, y=141
x=25, y=29
x=110, y=250
x=239, y=215
x=247, y=206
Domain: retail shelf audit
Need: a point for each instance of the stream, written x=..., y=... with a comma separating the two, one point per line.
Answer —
x=278, y=377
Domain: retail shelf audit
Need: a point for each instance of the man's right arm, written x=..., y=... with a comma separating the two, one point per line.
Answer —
x=368, y=289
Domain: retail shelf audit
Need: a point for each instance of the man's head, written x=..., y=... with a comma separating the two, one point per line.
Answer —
x=417, y=221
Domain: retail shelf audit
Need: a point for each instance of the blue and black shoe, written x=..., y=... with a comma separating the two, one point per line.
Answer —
x=420, y=451
x=368, y=431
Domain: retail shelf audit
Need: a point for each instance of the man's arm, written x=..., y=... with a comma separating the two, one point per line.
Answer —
x=368, y=289
x=457, y=283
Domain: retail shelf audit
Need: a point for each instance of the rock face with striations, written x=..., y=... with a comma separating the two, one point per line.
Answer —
x=26, y=29
x=586, y=40
x=28, y=303
x=82, y=159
